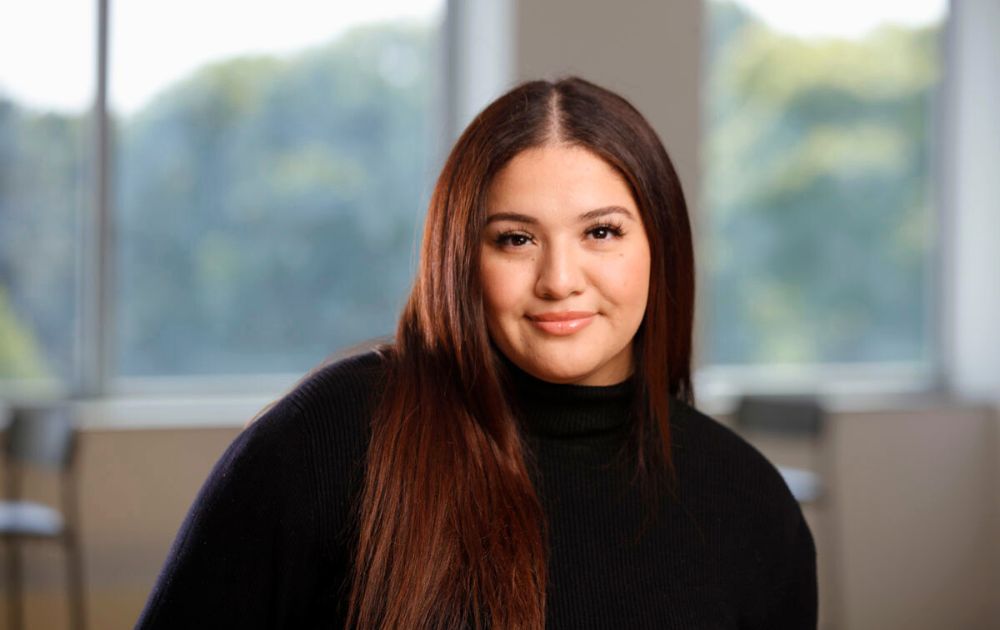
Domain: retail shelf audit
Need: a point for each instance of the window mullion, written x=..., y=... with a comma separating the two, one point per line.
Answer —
x=95, y=279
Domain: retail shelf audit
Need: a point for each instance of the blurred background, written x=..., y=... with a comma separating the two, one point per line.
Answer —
x=200, y=201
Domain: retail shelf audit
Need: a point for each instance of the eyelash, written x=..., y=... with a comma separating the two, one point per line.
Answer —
x=614, y=231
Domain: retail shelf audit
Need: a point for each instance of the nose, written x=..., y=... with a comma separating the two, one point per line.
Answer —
x=559, y=274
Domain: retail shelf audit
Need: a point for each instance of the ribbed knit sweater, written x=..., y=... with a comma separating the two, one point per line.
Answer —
x=265, y=544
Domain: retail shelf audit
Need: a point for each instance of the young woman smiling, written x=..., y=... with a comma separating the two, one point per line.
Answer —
x=525, y=454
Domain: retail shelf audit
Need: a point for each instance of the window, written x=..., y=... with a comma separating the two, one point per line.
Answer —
x=819, y=189
x=45, y=150
x=271, y=163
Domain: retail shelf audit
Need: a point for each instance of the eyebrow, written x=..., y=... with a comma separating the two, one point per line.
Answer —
x=586, y=216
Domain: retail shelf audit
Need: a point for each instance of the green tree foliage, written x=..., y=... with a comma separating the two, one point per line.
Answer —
x=267, y=211
x=817, y=162
x=20, y=356
x=268, y=206
x=42, y=170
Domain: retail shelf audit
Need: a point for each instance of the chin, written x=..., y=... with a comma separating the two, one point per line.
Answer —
x=561, y=372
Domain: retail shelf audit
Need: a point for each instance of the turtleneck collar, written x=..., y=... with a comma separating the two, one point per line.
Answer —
x=562, y=410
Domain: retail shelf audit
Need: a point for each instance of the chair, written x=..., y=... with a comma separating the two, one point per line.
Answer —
x=801, y=418
x=795, y=417
x=41, y=437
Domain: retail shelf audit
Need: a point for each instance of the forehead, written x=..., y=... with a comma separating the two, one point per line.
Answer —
x=557, y=179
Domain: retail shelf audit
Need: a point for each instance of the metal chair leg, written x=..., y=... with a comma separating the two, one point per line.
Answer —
x=74, y=584
x=15, y=614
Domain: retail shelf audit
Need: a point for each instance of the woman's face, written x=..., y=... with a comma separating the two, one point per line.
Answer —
x=564, y=266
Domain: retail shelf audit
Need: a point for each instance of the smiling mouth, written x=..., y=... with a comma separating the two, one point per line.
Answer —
x=561, y=324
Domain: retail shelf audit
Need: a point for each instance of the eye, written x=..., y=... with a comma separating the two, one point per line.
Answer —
x=512, y=239
x=606, y=231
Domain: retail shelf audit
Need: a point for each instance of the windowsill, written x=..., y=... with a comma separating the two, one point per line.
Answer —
x=158, y=404
x=842, y=388
x=211, y=412
x=164, y=413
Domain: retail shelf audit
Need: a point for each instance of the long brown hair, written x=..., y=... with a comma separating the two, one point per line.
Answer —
x=450, y=530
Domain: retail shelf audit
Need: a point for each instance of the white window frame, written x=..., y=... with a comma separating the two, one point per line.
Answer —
x=970, y=203
x=965, y=283
x=479, y=58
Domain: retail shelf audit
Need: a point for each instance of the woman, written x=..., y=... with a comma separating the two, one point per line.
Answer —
x=525, y=454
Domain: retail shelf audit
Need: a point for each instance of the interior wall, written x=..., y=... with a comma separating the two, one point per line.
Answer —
x=135, y=486
x=915, y=497
x=647, y=50
x=910, y=537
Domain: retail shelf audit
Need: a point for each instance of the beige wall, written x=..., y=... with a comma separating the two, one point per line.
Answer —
x=646, y=50
x=915, y=494
x=135, y=488
x=910, y=538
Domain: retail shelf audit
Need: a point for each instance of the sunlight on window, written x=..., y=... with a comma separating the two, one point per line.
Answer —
x=271, y=172
x=818, y=182
x=158, y=44
x=45, y=95
x=845, y=19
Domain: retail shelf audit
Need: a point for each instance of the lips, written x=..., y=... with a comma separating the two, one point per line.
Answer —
x=562, y=323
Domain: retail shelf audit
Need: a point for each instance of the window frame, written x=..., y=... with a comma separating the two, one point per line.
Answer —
x=872, y=384
x=94, y=373
x=124, y=401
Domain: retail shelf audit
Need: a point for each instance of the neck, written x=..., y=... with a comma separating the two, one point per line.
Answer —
x=568, y=410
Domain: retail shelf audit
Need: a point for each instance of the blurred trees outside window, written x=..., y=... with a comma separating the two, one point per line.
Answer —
x=45, y=154
x=266, y=202
x=818, y=191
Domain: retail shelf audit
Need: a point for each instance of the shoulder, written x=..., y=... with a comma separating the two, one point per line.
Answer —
x=328, y=410
x=725, y=467
x=725, y=480
x=267, y=527
x=321, y=420
x=346, y=384
x=337, y=387
x=311, y=442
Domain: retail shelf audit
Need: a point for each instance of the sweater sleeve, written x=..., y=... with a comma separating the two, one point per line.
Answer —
x=245, y=556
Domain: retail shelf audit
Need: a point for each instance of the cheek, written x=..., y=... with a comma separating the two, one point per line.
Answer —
x=627, y=280
x=502, y=289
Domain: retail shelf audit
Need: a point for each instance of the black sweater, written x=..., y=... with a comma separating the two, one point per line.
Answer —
x=265, y=543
